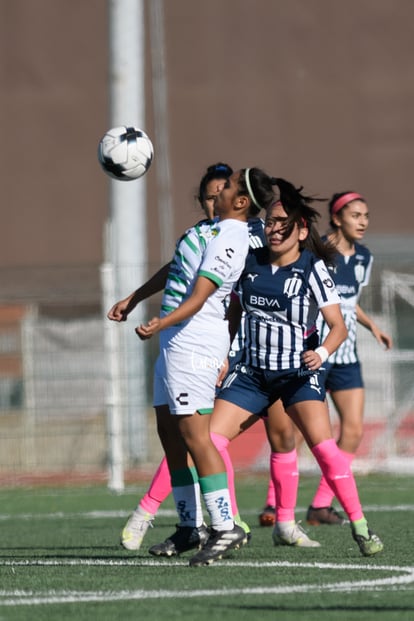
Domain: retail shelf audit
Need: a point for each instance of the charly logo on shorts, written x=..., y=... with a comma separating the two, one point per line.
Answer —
x=292, y=286
x=182, y=398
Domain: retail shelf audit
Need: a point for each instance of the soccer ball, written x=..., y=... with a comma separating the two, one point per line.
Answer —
x=125, y=153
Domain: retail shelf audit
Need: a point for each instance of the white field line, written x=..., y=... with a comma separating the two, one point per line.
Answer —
x=102, y=514
x=29, y=598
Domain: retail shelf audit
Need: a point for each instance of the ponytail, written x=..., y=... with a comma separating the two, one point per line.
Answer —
x=258, y=186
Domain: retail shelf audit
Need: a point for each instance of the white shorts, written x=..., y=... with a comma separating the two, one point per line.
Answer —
x=187, y=367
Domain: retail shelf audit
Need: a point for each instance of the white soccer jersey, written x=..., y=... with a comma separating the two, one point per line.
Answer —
x=192, y=352
x=350, y=274
x=282, y=305
x=214, y=249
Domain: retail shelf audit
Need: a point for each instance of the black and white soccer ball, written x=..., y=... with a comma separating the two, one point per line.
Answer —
x=125, y=153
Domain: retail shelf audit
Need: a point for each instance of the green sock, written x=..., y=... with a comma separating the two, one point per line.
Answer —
x=360, y=527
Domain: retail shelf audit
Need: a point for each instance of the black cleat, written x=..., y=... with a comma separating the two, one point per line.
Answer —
x=218, y=544
x=185, y=538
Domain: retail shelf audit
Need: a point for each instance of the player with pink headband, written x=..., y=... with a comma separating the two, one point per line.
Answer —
x=342, y=375
x=343, y=200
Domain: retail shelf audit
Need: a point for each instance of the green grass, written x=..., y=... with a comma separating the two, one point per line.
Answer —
x=60, y=559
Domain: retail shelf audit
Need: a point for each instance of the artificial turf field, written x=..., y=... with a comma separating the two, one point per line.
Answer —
x=60, y=559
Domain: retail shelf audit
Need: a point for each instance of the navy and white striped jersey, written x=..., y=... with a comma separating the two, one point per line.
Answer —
x=257, y=239
x=255, y=226
x=281, y=306
x=350, y=274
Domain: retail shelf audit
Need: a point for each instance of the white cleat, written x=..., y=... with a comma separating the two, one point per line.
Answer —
x=291, y=534
x=135, y=529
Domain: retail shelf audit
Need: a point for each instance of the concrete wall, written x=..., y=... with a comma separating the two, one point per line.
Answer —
x=318, y=91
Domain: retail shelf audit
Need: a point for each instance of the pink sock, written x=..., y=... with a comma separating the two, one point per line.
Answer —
x=221, y=443
x=271, y=493
x=285, y=476
x=159, y=489
x=324, y=494
x=337, y=471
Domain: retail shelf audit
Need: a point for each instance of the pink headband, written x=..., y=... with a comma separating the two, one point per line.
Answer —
x=344, y=200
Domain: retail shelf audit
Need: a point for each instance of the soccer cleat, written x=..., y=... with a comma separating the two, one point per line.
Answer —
x=219, y=543
x=291, y=534
x=267, y=516
x=325, y=515
x=370, y=546
x=185, y=538
x=135, y=529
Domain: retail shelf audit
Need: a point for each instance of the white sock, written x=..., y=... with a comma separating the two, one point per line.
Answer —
x=219, y=508
x=188, y=504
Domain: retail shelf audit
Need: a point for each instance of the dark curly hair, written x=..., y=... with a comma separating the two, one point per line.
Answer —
x=215, y=171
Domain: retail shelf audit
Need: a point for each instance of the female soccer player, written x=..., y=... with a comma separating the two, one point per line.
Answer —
x=282, y=289
x=342, y=375
x=134, y=531
x=194, y=341
x=349, y=219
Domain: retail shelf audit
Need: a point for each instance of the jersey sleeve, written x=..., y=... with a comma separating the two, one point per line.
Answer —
x=224, y=256
x=322, y=285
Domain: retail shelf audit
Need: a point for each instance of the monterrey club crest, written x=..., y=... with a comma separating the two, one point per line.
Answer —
x=359, y=272
x=292, y=286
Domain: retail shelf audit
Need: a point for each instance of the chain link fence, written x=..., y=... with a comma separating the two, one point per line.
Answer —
x=54, y=375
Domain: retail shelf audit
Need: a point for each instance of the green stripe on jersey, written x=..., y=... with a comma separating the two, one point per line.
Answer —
x=201, y=238
x=174, y=294
x=210, y=276
x=176, y=278
x=191, y=245
x=184, y=260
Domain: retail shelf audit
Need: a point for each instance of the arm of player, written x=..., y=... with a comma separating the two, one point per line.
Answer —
x=367, y=322
x=203, y=288
x=121, y=310
x=337, y=334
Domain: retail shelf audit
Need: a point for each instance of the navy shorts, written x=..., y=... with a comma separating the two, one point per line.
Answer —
x=341, y=376
x=255, y=389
